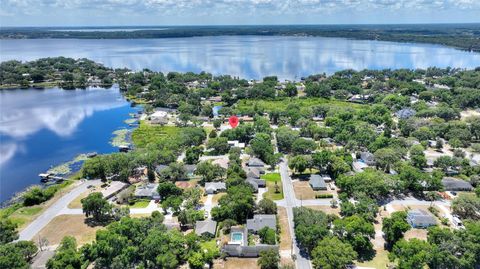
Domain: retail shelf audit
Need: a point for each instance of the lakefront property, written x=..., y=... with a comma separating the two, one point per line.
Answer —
x=276, y=146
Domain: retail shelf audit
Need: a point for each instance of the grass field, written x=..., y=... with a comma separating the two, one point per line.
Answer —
x=303, y=191
x=271, y=191
x=147, y=133
x=141, y=203
x=380, y=260
x=271, y=177
x=63, y=225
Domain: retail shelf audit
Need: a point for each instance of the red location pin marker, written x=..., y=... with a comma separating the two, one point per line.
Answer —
x=233, y=120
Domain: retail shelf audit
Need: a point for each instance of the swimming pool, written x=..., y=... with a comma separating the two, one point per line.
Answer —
x=237, y=237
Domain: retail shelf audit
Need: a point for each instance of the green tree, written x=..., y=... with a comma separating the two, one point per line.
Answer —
x=411, y=254
x=196, y=260
x=298, y=163
x=357, y=232
x=95, y=206
x=331, y=253
x=8, y=231
x=467, y=206
x=267, y=236
x=269, y=259
x=303, y=146
x=394, y=227
x=209, y=171
x=168, y=189
x=218, y=145
x=386, y=157
x=310, y=227
x=417, y=157
x=17, y=255
x=66, y=255
x=267, y=206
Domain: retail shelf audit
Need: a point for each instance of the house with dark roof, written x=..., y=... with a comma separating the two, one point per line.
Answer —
x=148, y=191
x=368, y=158
x=454, y=184
x=190, y=169
x=260, y=221
x=160, y=168
x=255, y=162
x=206, y=227
x=253, y=172
x=419, y=218
x=214, y=187
x=317, y=182
x=256, y=183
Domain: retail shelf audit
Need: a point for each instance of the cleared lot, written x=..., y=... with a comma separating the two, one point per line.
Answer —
x=63, y=225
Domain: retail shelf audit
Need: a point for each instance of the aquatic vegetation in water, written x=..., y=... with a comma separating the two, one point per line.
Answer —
x=68, y=167
x=120, y=138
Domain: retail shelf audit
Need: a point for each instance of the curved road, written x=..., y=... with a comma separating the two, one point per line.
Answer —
x=54, y=210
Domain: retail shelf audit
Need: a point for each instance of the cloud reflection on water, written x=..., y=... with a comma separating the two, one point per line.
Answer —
x=26, y=112
x=246, y=56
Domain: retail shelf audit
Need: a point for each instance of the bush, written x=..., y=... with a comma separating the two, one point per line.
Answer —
x=433, y=210
x=323, y=195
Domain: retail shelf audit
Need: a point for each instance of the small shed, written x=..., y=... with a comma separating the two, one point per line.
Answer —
x=317, y=182
x=419, y=218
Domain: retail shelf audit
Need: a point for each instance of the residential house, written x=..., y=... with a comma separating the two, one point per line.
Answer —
x=256, y=183
x=236, y=144
x=368, y=158
x=159, y=117
x=317, y=182
x=113, y=188
x=206, y=227
x=419, y=218
x=260, y=221
x=255, y=162
x=214, y=187
x=148, y=191
x=454, y=184
x=190, y=169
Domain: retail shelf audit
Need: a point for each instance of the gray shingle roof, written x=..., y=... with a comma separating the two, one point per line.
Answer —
x=255, y=162
x=420, y=218
x=317, y=182
x=246, y=251
x=260, y=221
x=453, y=184
x=147, y=190
x=205, y=226
x=211, y=187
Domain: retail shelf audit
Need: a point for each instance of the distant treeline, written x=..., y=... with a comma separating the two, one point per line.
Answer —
x=462, y=36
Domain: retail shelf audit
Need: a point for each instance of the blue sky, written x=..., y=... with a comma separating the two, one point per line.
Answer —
x=210, y=12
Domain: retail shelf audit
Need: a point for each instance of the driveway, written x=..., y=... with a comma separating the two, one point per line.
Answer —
x=54, y=210
x=208, y=205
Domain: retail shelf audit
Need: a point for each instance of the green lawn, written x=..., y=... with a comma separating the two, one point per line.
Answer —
x=142, y=203
x=272, y=177
x=270, y=194
x=379, y=261
x=147, y=133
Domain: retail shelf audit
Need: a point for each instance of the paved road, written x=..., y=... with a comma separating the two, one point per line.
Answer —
x=54, y=210
x=289, y=201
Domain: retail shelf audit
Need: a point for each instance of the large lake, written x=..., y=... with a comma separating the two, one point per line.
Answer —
x=245, y=56
x=41, y=128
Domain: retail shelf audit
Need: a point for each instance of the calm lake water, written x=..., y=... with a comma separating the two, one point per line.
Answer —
x=244, y=56
x=40, y=128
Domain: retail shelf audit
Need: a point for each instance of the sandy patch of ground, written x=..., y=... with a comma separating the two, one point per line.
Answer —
x=285, y=238
x=240, y=263
x=326, y=209
x=469, y=113
x=63, y=225
x=303, y=191
x=416, y=233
